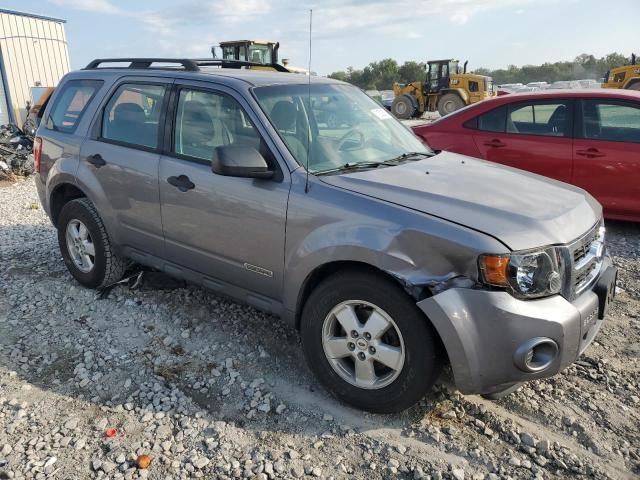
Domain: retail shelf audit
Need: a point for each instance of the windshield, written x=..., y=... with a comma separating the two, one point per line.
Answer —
x=337, y=125
x=260, y=54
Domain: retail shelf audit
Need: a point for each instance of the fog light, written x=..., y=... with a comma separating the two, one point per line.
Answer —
x=536, y=355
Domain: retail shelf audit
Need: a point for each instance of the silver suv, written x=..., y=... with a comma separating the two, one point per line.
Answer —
x=391, y=260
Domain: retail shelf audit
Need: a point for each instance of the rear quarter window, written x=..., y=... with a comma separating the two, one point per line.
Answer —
x=71, y=103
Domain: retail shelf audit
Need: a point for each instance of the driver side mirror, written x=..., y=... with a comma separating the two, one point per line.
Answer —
x=240, y=161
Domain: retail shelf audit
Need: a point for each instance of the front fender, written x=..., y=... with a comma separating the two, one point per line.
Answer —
x=329, y=224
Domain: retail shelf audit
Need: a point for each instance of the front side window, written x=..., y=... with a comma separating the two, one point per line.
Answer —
x=206, y=120
x=132, y=115
x=332, y=125
x=71, y=104
x=611, y=121
x=539, y=118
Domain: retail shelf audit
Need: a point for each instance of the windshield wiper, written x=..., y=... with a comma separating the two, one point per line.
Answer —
x=406, y=156
x=385, y=163
x=351, y=166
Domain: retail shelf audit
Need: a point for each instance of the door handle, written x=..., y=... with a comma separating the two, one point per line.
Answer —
x=590, y=153
x=96, y=160
x=494, y=143
x=182, y=183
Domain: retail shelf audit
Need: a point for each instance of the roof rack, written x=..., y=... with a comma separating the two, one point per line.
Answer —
x=188, y=64
x=224, y=63
x=143, y=63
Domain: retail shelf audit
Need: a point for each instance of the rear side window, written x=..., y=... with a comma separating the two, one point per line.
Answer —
x=71, y=104
x=493, y=121
x=611, y=121
x=132, y=115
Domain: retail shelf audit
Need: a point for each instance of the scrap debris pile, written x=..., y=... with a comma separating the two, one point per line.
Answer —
x=16, y=148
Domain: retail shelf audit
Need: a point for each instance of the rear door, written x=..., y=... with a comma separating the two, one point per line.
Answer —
x=530, y=135
x=119, y=161
x=607, y=154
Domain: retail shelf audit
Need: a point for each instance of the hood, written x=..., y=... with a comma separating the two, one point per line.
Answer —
x=521, y=209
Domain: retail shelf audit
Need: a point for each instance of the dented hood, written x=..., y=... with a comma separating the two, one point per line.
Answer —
x=521, y=209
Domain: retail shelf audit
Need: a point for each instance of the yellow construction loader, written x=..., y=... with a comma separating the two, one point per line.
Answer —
x=446, y=90
x=627, y=76
x=262, y=54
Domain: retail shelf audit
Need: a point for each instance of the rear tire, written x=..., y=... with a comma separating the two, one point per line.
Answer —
x=634, y=86
x=85, y=246
x=402, y=107
x=406, y=341
x=448, y=103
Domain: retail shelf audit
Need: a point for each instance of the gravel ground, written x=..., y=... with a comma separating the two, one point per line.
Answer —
x=209, y=388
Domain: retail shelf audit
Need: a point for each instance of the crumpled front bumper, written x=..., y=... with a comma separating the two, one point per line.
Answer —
x=482, y=331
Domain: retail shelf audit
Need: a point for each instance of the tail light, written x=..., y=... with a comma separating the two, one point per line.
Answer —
x=37, y=153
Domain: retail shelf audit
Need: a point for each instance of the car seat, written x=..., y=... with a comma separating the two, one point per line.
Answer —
x=128, y=125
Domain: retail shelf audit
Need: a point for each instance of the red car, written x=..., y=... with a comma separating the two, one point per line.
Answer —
x=589, y=138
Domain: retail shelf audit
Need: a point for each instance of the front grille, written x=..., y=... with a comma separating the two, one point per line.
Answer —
x=586, y=254
x=582, y=248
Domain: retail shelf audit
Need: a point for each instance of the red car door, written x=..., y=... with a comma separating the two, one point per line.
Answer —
x=531, y=135
x=607, y=155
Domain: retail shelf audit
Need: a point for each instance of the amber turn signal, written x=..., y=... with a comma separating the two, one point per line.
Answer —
x=494, y=269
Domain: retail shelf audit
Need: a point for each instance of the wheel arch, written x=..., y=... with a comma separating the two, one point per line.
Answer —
x=633, y=84
x=464, y=96
x=321, y=272
x=60, y=196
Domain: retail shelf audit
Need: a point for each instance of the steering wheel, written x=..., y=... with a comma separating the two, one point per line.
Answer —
x=347, y=135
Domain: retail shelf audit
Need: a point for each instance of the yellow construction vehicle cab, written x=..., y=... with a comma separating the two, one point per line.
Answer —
x=254, y=51
x=627, y=76
x=257, y=53
x=446, y=90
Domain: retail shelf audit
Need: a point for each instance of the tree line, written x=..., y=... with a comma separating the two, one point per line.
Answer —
x=383, y=74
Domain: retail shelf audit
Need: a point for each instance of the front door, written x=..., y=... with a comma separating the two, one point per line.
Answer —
x=229, y=229
x=607, y=155
x=119, y=162
x=533, y=136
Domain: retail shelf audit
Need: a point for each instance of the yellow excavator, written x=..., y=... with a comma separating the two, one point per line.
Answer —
x=626, y=76
x=262, y=54
x=446, y=90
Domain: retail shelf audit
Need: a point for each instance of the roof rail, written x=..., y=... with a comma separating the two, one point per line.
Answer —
x=225, y=63
x=143, y=63
x=190, y=64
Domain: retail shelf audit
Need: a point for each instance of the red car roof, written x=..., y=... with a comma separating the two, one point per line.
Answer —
x=476, y=108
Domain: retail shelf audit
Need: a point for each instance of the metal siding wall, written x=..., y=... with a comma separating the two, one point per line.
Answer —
x=33, y=50
x=4, y=103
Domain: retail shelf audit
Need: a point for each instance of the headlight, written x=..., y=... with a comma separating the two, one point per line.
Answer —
x=525, y=274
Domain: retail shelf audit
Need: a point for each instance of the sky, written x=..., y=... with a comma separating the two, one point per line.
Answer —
x=488, y=33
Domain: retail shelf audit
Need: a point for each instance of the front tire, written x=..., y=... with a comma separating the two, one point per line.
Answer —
x=368, y=343
x=402, y=107
x=85, y=246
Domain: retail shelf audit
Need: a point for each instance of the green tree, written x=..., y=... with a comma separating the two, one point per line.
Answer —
x=382, y=75
x=411, y=71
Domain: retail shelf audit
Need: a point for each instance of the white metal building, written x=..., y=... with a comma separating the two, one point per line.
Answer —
x=33, y=54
